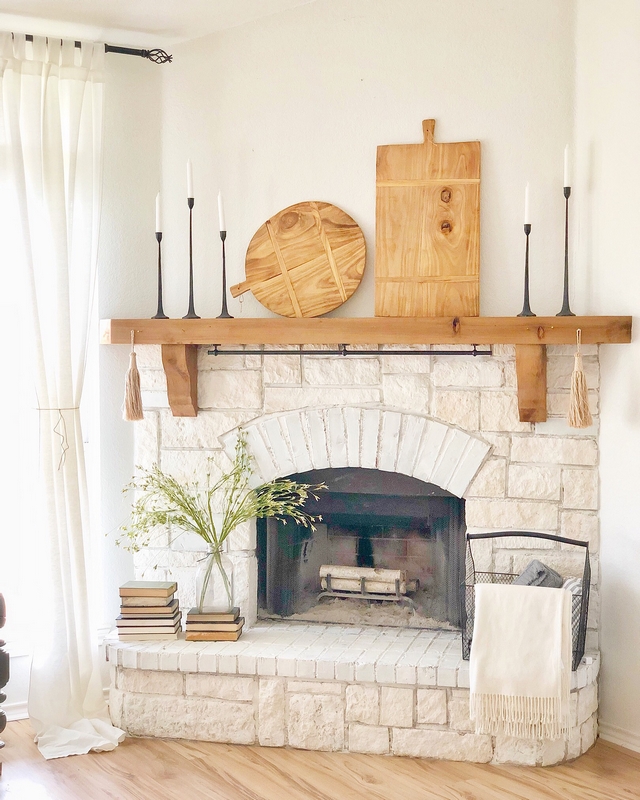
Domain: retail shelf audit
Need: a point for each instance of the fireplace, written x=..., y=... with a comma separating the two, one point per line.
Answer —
x=371, y=520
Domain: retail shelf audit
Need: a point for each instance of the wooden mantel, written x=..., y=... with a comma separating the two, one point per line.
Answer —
x=180, y=337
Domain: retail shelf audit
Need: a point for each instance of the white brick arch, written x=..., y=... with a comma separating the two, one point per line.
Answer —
x=361, y=436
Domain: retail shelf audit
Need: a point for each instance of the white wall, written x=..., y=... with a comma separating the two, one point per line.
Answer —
x=291, y=107
x=608, y=181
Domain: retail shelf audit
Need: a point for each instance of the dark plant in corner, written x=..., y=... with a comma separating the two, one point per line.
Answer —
x=195, y=507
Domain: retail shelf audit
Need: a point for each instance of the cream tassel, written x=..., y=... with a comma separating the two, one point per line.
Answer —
x=579, y=413
x=132, y=408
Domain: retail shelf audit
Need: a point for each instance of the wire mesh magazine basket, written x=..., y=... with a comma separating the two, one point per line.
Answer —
x=579, y=600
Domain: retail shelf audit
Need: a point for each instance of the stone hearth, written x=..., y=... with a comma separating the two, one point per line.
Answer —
x=327, y=687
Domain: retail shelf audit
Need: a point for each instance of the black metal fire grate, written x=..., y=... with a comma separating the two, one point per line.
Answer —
x=579, y=603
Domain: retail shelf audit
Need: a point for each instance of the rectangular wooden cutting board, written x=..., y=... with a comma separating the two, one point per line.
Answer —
x=428, y=228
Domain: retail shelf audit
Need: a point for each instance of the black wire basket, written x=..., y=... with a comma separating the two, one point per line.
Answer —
x=579, y=601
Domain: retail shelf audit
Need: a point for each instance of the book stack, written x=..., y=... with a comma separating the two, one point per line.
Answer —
x=148, y=610
x=214, y=626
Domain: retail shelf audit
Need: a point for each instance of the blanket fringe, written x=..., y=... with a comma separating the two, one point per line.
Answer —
x=522, y=717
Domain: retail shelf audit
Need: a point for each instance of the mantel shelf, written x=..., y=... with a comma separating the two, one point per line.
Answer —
x=179, y=339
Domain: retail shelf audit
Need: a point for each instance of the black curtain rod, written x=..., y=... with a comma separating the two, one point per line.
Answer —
x=156, y=55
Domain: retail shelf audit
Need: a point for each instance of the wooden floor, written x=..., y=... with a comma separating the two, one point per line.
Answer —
x=152, y=769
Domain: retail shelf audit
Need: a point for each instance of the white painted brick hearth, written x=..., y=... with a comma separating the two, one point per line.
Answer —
x=447, y=420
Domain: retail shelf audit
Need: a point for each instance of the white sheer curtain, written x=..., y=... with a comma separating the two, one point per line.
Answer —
x=51, y=96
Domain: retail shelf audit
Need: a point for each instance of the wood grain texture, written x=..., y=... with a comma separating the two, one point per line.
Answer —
x=428, y=228
x=305, y=261
x=368, y=330
x=531, y=372
x=180, y=362
x=142, y=769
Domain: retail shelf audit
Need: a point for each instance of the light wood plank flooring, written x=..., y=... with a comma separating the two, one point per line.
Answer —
x=152, y=769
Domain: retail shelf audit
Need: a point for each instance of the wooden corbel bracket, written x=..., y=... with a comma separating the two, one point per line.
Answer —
x=180, y=362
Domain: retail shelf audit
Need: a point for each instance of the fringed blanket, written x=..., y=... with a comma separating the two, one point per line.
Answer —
x=520, y=667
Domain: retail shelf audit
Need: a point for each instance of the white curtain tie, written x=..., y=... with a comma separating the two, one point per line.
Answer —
x=60, y=429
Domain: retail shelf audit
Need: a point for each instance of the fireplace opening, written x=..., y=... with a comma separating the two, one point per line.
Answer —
x=388, y=551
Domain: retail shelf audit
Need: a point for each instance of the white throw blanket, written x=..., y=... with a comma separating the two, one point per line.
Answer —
x=520, y=667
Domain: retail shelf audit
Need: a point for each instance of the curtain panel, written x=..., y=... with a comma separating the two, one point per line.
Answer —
x=51, y=97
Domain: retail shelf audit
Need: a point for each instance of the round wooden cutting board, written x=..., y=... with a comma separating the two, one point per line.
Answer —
x=304, y=261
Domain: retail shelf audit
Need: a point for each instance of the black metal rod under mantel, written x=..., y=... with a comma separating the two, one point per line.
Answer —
x=156, y=55
x=344, y=351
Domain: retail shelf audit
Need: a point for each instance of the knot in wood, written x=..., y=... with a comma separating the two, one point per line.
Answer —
x=289, y=220
x=445, y=195
x=446, y=227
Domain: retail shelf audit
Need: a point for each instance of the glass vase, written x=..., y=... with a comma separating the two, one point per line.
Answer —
x=214, y=583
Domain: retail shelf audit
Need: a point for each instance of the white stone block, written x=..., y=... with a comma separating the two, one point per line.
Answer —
x=188, y=658
x=587, y=702
x=553, y=751
x=558, y=406
x=510, y=750
x=588, y=733
x=274, y=436
x=299, y=447
x=511, y=515
x=243, y=537
x=368, y=739
x=341, y=371
x=554, y=450
x=459, y=711
x=500, y=442
x=230, y=389
x=145, y=438
x=264, y=462
x=560, y=370
x=469, y=462
x=396, y=707
x=352, y=427
x=431, y=707
x=491, y=480
x=467, y=372
x=432, y=442
x=271, y=711
x=410, y=392
x=291, y=397
x=363, y=704
x=222, y=687
x=220, y=721
x=162, y=716
x=457, y=408
x=315, y=722
x=370, y=432
x=154, y=399
x=336, y=438
x=315, y=687
x=411, y=365
x=410, y=437
x=201, y=432
x=282, y=369
x=569, y=564
x=116, y=700
x=534, y=482
x=581, y=525
x=193, y=465
x=247, y=664
x=389, y=440
x=318, y=438
x=580, y=488
x=245, y=584
x=149, y=356
x=449, y=745
x=499, y=412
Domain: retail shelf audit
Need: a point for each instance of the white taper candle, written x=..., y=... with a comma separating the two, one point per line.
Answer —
x=567, y=166
x=189, y=179
x=158, y=214
x=223, y=227
x=527, y=210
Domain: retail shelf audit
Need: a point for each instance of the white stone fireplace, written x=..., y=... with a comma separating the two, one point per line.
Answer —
x=448, y=421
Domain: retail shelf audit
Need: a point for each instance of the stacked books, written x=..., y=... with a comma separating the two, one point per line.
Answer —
x=149, y=610
x=214, y=626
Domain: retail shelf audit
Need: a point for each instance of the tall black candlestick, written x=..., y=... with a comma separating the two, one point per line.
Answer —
x=160, y=312
x=565, y=311
x=191, y=313
x=526, y=308
x=224, y=314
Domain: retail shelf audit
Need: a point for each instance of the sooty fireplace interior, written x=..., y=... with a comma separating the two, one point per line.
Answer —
x=371, y=520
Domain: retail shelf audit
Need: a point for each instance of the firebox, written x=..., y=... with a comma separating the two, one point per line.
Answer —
x=389, y=550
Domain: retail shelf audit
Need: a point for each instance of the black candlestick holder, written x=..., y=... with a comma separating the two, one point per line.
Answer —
x=191, y=313
x=224, y=314
x=526, y=308
x=160, y=312
x=565, y=311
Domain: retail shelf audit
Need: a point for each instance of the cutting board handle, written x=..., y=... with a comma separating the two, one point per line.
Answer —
x=428, y=126
x=239, y=288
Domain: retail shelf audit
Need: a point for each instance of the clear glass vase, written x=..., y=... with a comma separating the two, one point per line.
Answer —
x=214, y=583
